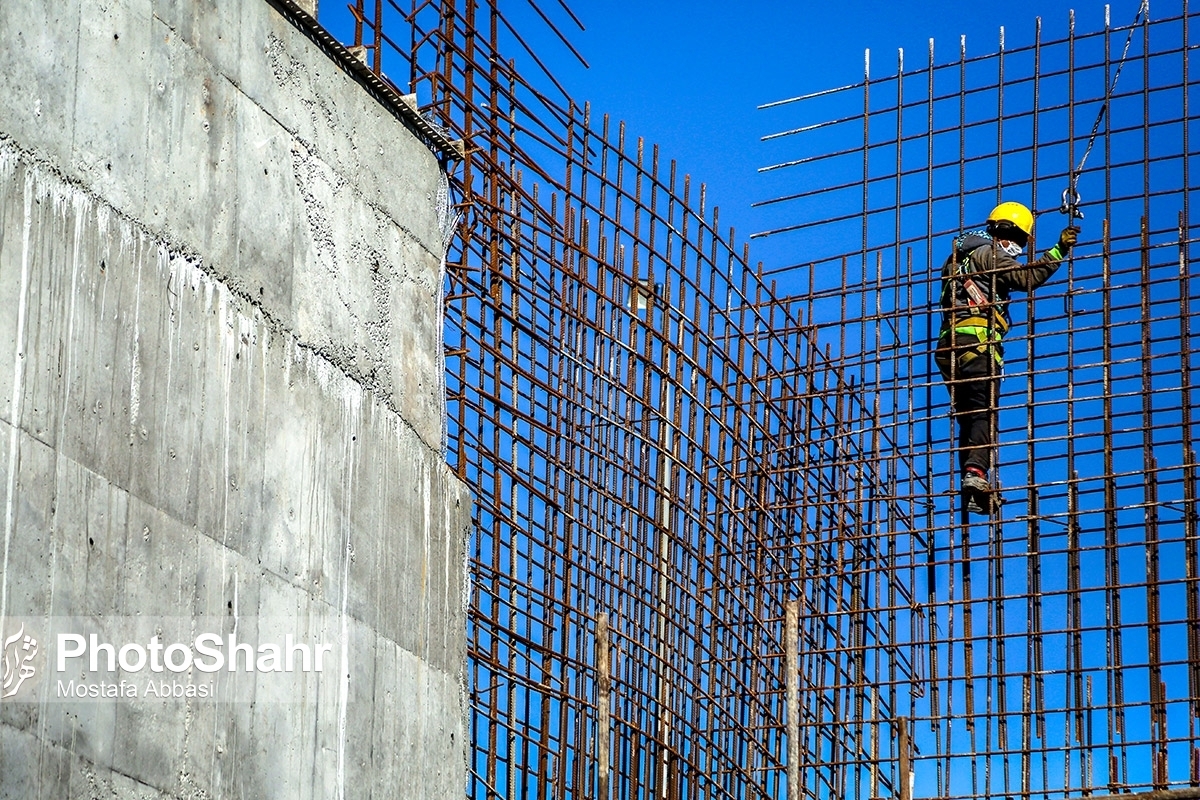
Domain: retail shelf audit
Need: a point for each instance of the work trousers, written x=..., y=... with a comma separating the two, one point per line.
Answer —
x=975, y=400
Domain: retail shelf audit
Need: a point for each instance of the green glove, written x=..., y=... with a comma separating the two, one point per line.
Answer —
x=1067, y=239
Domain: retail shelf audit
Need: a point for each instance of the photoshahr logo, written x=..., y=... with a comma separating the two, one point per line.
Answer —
x=20, y=661
x=73, y=659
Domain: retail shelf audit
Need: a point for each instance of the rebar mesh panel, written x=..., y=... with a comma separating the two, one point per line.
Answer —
x=628, y=397
x=1054, y=648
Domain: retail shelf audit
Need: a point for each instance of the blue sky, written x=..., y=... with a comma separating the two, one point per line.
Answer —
x=689, y=76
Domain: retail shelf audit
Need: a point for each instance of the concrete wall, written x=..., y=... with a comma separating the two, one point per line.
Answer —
x=220, y=400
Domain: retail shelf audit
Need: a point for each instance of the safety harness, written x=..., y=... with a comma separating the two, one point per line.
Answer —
x=986, y=321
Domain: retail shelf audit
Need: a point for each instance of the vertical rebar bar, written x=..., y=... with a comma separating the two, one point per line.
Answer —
x=792, y=682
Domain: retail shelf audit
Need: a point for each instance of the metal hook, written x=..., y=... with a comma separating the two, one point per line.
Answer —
x=1070, y=207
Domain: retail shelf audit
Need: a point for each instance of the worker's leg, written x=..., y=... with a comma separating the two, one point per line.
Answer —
x=973, y=379
x=977, y=401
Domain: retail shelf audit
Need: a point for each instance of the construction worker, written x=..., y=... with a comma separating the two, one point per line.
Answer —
x=977, y=281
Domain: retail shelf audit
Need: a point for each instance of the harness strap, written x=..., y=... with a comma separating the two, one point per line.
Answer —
x=997, y=324
x=980, y=328
x=989, y=339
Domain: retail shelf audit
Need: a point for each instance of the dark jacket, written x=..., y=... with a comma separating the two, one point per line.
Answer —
x=978, y=259
x=977, y=283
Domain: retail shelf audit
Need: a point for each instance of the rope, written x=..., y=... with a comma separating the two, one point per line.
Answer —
x=1070, y=195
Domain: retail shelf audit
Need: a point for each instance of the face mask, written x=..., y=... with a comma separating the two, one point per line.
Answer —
x=1012, y=248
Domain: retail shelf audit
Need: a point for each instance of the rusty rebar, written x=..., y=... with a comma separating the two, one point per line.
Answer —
x=660, y=430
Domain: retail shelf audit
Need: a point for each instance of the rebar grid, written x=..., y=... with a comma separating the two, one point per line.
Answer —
x=626, y=394
x=1055, y=650
x=669, y=451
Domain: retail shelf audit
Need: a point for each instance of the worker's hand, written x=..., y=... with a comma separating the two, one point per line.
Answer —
x=1067, y=239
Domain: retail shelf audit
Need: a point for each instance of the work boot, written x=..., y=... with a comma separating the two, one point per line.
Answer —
x=976, y=492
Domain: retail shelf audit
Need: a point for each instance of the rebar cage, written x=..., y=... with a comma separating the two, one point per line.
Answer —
x=717, y=539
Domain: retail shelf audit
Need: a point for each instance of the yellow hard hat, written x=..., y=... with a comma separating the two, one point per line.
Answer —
x=1014, y=213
